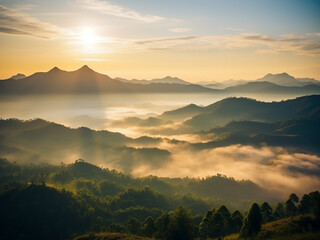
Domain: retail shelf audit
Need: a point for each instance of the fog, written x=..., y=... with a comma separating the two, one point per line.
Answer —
x=273, y=168
x=100, y=111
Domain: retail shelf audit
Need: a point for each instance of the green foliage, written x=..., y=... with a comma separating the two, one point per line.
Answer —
x=279, y=211
x=236, y=221
x=252, y=222
x=104, y=200
x=134, y=226
x=219, y=223
x=181, y=225
x=140, y=197
x=305, y=206
x=291, y=209
x=36, y=211
x=266, y=212
x=149, y=228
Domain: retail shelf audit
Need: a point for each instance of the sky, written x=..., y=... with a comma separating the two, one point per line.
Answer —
x=196, y=40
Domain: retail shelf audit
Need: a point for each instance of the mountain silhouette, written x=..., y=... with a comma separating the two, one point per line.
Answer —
x=86, y=80
x=166, y=79
x=241, y=109
x=282, y=79
x=271, y=88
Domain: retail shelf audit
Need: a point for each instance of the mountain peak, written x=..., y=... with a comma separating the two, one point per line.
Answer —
x=85, y=68
x=169, y=79
x=284, y=74
x=18, y=76
x=55, y=69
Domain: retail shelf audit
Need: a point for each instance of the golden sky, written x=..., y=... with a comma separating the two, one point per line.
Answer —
x=206, y=40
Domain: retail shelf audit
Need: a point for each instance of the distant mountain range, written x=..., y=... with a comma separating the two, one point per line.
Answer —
x=85, y=80
x=281, y=79
x=168, y=79
x=292, y=124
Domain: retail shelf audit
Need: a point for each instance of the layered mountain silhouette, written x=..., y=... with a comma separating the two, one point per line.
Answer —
x=39, y=141
x=167, y=79
x=281, y=79
x=85, y=80
x=292, y=124
x=284, y=79
x=238, y=109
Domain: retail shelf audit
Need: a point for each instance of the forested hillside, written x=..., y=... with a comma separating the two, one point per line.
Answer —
x=98, y=200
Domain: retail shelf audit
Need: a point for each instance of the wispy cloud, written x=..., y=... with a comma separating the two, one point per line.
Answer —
x=180, y=30
x=14, y=22
x=161, y=40
x=106, y=7
x=308, y=44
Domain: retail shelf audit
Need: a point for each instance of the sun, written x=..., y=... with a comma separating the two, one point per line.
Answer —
x=88, y=37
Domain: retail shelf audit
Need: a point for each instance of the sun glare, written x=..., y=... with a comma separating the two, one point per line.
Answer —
x=88, y=37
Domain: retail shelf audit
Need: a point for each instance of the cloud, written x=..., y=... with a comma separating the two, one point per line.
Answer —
x=106, y=7
x=272, y=168
x=161, y=40
x=180, y=30
x=14, y=22
x=308, y=44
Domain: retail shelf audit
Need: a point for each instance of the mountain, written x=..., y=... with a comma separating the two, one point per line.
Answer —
x=266, y=87
x=284, y=79
x=39, y=141
x=18, y=76
x=182, y=113
x=278, y=81
x=168, y=79
x=240, y=109
x=137, y=81
x=223, y=84
x=300, y=134
x=85, y=80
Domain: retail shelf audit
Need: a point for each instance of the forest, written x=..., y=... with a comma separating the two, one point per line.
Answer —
x=83, y=201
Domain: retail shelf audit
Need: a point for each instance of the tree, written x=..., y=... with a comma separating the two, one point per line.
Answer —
x=226, y=220
x=205, y=229
x=217, y=225
x=162, y=225
x=291, y=209
x=236, y=220
x=315, y=203
x=134, y=226
x=305, y=206
x=116, y=228
x=294, y=198
x=266, y=212
x=149, y=227
x=279, y=211
x=181, y=225
x=252, y=222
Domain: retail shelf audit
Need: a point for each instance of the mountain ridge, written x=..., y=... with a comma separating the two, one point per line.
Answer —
x=86, y=80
